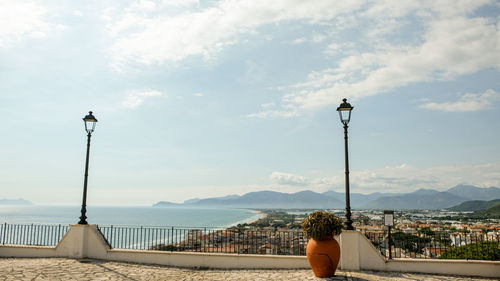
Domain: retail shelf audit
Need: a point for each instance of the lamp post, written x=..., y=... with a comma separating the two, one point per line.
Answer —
x=345, y=116
x=90, y=123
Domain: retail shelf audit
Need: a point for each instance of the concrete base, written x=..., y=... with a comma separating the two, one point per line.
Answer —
x=358, y=253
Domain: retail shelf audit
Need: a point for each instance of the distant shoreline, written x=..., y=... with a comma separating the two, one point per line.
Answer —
x=262, y=215
x=15, y=202
x=259, y=213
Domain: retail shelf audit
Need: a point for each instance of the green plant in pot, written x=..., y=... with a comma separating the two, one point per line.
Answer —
x=323, y=251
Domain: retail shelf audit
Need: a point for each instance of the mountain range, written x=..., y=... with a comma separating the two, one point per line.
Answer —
x=19, y=201
x=480, y=209
x=420, y=199
x=475, y=205
x=264, y=199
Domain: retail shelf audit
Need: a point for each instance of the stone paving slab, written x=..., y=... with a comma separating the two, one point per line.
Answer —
x=39, y=269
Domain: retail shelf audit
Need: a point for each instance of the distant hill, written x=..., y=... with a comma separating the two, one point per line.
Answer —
x=475, y=205
x=196, y=200
x=491, y=213
x=273, y=199
x=482, y=209
x=475, y=193
x=433, y=199
x=358, y=200
x=190, y=201
x=420, y=199
x=19, y=201
x=265, y=199
x=166, y=204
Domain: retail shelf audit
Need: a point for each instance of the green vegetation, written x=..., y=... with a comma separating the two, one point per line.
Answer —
x=483, y=210
x=490, y=213
x=475, y=251
x=426, y=231
x=274, y=218
x=475, y=205
x=409, y=242
x=321, y=225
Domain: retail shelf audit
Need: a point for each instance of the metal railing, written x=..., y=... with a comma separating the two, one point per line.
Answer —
x=32, y=234
x=207, y=240
x=480, y=246
x=439, y=245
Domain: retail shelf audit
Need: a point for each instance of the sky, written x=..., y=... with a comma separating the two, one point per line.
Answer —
x=211, y=98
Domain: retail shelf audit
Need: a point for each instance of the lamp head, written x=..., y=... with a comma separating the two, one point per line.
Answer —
x=90, y=122
x=344, y=110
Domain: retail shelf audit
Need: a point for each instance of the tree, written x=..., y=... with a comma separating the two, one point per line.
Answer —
x=485, y=250
x=426, y=231
x=409, y=242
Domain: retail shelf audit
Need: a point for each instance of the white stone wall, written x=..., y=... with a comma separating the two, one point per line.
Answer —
x=357, y=253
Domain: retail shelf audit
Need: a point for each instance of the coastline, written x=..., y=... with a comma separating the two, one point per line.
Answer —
x=258, y=216
x=261, y=215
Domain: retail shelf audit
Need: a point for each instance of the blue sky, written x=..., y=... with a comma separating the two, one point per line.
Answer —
x=210, y=98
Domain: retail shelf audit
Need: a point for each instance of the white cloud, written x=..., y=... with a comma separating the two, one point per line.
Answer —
x=135, y=99
x=154, y=39
x=267, y=105
x=20, y=19
x=198, y=94
x=451, y=44
x=143, y=6
x=299, y=40
x=400, y=178
x=288, y=179
x=317, y=38
x=333, y=49
x=180, y=2
x=405, y=178
x=467, y=102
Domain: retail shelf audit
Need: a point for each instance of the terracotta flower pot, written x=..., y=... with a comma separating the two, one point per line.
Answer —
x=323, y=256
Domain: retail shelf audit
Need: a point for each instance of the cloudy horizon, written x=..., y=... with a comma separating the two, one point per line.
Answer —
x=210, y=98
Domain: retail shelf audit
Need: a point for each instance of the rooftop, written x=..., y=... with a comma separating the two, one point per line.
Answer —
x=89, y=269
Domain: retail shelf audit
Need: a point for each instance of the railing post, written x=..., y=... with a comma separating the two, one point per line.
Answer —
x=111, y=236
x=140, y=237
x=10, y=233
x=172, y=243
x=31, y=235
x=204, y=244
x=4, y=233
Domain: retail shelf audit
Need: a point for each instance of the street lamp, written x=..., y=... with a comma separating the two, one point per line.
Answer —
x=90, y=123
x=345, y=116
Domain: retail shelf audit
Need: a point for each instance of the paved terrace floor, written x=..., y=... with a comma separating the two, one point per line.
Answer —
x=70, y=269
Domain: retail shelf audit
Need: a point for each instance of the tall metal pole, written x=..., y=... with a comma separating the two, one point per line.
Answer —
x=390, y=242
x=83, y=217
x=348, y=223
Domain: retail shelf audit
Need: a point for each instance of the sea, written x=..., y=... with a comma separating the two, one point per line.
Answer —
x=129, y=216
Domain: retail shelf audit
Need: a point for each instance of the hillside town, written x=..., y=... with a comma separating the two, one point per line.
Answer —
x=418, y=233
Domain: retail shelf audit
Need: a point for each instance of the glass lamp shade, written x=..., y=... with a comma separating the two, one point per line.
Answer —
x=345, y=111
x=90, y=122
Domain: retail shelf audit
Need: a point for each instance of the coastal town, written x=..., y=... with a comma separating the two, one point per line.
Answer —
x=417, y=233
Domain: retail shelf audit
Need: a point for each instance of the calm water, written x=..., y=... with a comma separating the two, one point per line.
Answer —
x=140, y=216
